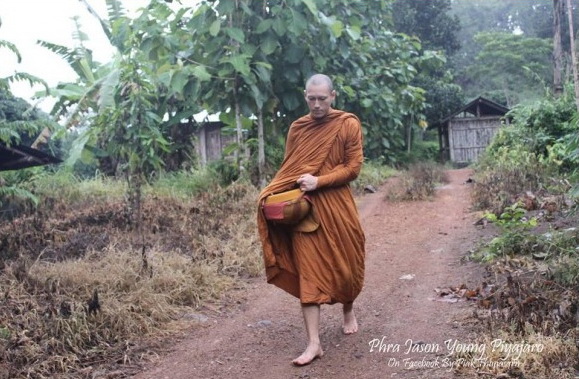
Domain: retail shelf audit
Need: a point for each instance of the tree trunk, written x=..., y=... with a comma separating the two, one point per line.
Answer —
x=260, y=149
x=239, y=136
x=573, y=53
x=409, y=134
x=239, y=128
x=557, y=48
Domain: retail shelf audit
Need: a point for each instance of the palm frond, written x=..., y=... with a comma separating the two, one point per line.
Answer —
x=104, y=24
x=31, y=79
x=7, y=134
x=78, y=34
x=115, y=9
x=79, y=59
x=11, y=131
x=63, y=51
x=12, y=47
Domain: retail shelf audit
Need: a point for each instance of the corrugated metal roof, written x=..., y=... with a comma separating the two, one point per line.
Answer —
x=19, y=156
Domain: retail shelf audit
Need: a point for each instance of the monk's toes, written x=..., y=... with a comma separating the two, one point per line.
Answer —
x=350, y=329
x=306, y=359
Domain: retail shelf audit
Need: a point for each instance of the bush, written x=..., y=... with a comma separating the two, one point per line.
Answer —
x=505, y=173
x=225, y=170
x=422, y=151
x=419, y=182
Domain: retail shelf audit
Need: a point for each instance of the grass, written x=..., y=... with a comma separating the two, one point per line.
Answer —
x=533, y=356
x=372, y=174
x=194, y=248
x=54, y=333
x=183, y=184
x=65, y=186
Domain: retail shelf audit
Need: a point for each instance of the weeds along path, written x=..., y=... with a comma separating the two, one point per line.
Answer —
x=412, y=248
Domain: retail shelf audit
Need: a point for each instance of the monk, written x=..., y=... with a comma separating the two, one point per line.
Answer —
x=321, y=262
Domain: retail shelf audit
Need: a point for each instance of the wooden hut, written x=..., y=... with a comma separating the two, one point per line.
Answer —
x=212, y=141
x=466, y=133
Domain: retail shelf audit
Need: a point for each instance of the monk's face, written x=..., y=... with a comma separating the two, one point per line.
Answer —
x=319, y=98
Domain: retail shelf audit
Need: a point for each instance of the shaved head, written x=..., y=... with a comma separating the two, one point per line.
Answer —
x=320, y=79
x=319, y=95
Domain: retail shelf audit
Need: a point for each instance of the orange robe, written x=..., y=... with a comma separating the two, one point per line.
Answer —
x=327, y=265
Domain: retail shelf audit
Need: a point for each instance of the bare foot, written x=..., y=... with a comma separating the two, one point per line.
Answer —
x=312, y=352
x=350, y=325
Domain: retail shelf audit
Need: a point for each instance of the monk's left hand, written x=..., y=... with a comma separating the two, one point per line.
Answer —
x=308, y=182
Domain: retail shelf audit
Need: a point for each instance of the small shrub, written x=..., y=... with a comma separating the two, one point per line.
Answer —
x=419, y=182
x=422, y=151
x=225, y=170
x=500, y=180
x=513, y=217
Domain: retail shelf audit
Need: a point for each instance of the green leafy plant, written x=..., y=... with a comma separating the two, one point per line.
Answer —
x=513, y=238
x=513, y=217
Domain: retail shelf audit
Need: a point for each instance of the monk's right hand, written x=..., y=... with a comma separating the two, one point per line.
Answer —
x=308, y=182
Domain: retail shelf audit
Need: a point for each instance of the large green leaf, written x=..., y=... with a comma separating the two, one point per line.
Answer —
x=263, y=26
x=178, y=81
x=291, y=100
x=201, y=73
x=68, y=90
x=311, y=5
x=279, y=27
x=240, y=64
x=337, y=28
x=366, y=103
x=215, y=27
x=295, y=53
x=236, y=33
x=354, y=32
x=268, y=45
x=299, y=23
x=78, y=150
x=107, y=92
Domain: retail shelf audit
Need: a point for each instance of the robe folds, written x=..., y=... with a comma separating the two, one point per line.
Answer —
x=327, y=265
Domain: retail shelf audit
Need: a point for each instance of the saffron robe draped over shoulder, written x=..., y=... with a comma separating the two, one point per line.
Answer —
x=327, y=265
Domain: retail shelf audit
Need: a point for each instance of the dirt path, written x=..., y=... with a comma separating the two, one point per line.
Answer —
x=420, y=240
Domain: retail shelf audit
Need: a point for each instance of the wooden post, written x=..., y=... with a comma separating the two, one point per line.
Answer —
x=573, y=53
x=260, y=149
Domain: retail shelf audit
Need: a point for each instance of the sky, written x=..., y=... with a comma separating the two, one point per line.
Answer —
x=26, y=21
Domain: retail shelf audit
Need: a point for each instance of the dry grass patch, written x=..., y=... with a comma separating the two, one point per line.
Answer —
x=69, y=312
x=508, y=355
x=60, y=317
x=418, y=182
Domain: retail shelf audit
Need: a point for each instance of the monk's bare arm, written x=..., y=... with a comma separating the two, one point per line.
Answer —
x=353, y=158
